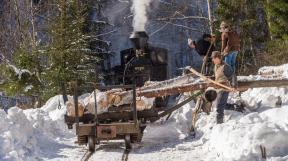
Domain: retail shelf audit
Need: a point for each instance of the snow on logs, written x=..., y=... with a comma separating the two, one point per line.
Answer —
x=147, y=94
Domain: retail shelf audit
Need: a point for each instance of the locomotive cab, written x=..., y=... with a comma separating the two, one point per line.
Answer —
x=143, y=62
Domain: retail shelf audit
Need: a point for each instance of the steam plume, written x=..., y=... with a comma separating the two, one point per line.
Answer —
x=140, y=8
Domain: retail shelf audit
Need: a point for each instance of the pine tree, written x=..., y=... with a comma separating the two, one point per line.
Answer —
x=277, y=15
x=21, y=75
x=277, y=11
x=22, y=78
x=66, y=56
x=69, y=54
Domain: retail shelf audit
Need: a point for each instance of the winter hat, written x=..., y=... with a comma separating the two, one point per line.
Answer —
x=216, y=54
x=223, y=26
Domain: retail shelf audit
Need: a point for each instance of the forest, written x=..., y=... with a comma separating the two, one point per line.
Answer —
x=143, y=80
x=56, y=42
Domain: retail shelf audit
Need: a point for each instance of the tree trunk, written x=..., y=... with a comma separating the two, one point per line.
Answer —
x=210, y=16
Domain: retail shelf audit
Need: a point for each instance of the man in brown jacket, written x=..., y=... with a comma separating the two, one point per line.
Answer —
x=230, y=44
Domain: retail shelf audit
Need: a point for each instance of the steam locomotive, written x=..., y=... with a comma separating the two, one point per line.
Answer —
x=141, y=63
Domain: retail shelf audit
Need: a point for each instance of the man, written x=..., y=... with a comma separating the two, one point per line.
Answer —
x=204, y=48
x=230, y=45
x=223, y=74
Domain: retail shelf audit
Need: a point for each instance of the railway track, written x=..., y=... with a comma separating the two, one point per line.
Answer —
x=125, y=155
x=87, y=155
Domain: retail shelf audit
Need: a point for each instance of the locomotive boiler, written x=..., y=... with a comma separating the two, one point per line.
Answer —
x=141, y=63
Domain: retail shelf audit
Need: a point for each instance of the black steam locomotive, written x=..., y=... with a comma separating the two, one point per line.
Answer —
x=141, y=63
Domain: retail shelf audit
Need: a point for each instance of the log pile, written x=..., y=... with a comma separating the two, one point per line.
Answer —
x=194, y=81
x=182, y=84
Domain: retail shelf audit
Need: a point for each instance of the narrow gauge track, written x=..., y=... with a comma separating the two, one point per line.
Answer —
x=125, y=155
x=88, y=154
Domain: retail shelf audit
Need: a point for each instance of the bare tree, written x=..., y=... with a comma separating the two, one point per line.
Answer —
x=210, y=15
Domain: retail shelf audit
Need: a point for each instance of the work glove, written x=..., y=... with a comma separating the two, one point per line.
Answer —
x=190, y=41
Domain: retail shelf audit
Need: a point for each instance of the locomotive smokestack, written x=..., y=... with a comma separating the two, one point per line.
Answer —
x=139, y=39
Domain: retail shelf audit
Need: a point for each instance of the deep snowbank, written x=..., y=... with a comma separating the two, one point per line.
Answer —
x=240, y=137
x=27, y=134
x=263, y=98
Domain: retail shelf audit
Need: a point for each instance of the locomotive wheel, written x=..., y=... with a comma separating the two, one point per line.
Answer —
x=127, y=140
x=91, y=143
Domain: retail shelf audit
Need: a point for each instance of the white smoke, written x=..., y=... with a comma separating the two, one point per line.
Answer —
x=139, y=9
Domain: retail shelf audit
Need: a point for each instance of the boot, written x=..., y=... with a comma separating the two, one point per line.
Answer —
x=219, y=119
x=240, y=108
x=229, y=106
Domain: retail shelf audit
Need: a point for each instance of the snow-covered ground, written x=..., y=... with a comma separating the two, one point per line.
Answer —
x=41, y=134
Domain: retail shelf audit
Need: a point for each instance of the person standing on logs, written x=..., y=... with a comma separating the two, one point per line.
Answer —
x=230, y=44
x=204, y=47
x=223, y=74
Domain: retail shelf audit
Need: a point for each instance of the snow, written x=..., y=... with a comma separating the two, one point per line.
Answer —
x=41, y=134
x=27, y=88
x=32, y=134
x=267, y=97
x=275, y=70
x=19, y=72
x=267, y=100
x=177, y=127
x=268, y=73
x=240, y=137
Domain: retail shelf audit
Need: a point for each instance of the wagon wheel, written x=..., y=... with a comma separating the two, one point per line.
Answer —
x=127, y=140
x=91, y=143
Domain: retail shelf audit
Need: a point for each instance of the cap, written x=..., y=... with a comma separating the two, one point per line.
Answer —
x=224, y=24
x=216, y=54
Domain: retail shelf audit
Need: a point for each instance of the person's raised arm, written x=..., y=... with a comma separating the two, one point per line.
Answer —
x=191, y=43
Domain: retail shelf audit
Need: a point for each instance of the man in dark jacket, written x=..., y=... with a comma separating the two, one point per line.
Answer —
x=204, y=48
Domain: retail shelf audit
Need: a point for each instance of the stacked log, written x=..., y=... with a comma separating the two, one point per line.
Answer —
x=186, y=83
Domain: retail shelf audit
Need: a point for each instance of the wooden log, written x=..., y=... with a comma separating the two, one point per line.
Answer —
x=71, y=109
x=243, y=86
x=178, y=80
x=172, y=90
